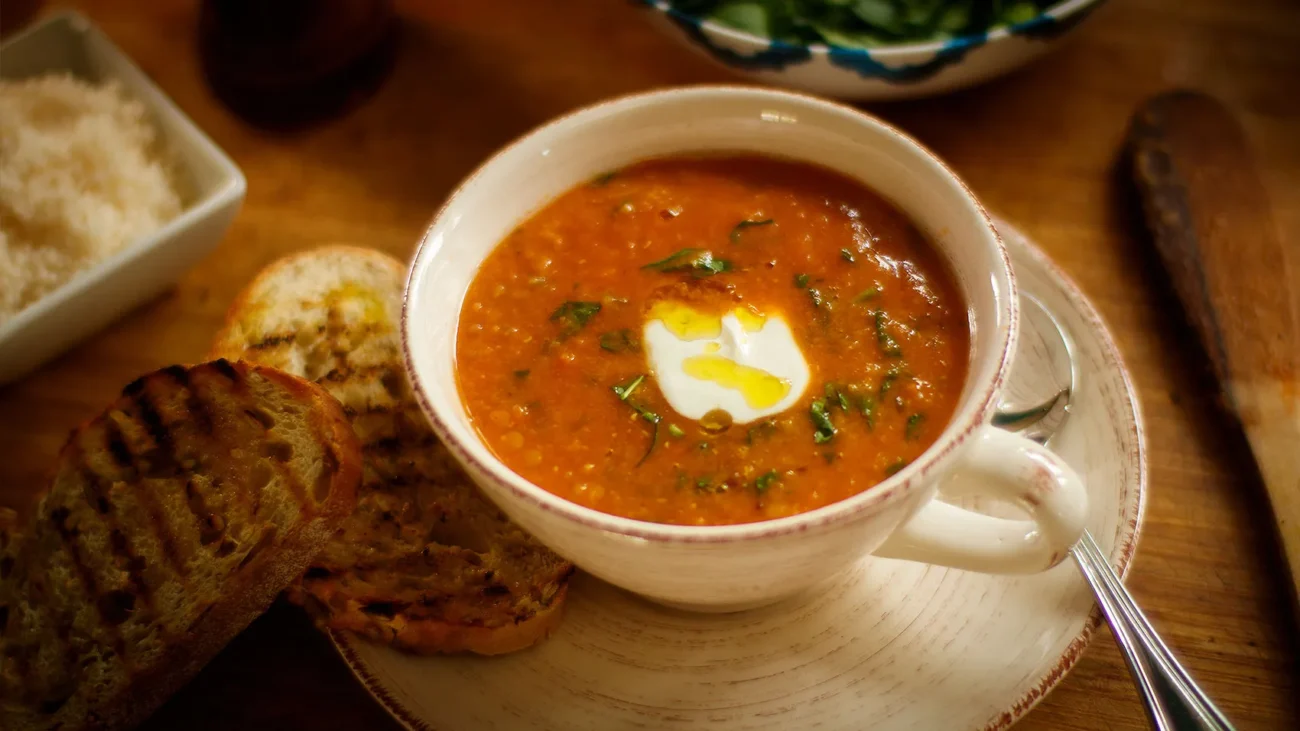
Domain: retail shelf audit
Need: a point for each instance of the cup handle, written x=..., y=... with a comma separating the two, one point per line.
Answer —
x=1001, y=465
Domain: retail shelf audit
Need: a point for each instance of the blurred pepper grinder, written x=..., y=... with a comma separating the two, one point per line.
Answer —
x=285, y=64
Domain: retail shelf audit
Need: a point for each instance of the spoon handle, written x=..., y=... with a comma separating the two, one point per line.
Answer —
x=1173, y=700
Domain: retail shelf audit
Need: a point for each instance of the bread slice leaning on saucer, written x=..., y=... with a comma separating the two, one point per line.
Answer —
x=173, y=519
x=426, y=563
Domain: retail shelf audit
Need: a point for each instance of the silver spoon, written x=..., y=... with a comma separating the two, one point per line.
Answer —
x=1172, y=699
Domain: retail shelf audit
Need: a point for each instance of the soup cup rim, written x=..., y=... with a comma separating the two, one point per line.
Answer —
x=935, y=458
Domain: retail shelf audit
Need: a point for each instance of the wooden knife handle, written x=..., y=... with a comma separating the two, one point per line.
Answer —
x=1209, y=216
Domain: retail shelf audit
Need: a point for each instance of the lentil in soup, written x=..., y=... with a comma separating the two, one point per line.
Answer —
x=712, y=340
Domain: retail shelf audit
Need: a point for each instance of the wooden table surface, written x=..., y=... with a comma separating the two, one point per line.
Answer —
x=1038, y=147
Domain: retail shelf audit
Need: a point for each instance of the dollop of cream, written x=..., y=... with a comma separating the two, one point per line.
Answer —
x=741, y=361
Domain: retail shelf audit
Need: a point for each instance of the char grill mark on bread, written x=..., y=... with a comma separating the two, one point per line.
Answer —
x=163, y=533
x=426, y=562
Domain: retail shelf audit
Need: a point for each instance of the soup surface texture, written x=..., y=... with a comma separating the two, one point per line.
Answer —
x=711, y=340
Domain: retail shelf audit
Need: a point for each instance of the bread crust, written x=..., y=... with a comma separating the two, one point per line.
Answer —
x=227, y=340
x=332, y=600
x=253, y=591
x=433, y=636
x=249, y=589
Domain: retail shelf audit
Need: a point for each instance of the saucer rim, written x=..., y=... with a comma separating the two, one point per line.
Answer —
x=1121, y=555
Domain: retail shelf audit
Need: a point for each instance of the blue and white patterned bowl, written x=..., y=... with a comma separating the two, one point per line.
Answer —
x=889, y=72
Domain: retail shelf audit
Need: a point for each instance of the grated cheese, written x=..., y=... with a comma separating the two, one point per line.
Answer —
x=81, y=178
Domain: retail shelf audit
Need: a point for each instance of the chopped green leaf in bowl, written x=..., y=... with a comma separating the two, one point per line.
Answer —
x=863, y=23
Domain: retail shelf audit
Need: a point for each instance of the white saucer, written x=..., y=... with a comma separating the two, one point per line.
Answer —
x=888, y=645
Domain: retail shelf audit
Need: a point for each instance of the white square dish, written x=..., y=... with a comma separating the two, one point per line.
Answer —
x=212, y=191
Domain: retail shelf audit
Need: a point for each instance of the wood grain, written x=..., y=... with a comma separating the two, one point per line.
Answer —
x=1038, y=147
x=1213, y=227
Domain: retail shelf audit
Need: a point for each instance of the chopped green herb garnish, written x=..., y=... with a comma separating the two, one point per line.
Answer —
x=801, y=281
x=739, y=229
x=654, y=437
x=913, y=428
x=573, y=316
x=625, y=389
x=646, y=414
x=603, y=179
x=765, y=480
x=704, y=446
x=867, y=294
x=653, y=418
x=895, y=467
x=699, y=262
x=869, y=404
x=823, y=429
x=675, y=430
x=522, y=374
x=760, y=430
x=711, y=267
x=681, y=478
x=848, y=256
x=888, y=345
x=706, y=484
x=887, y=382
x=620, y=341
x=835, y=394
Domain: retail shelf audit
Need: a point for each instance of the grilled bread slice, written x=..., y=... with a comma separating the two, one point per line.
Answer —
x=173, y=520
x=426, y=563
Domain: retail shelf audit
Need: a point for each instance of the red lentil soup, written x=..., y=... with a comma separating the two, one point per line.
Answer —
x=554, y=375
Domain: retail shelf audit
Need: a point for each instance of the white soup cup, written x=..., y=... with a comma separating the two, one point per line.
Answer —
x=721, y=568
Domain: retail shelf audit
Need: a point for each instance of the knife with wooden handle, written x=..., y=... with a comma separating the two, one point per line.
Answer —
x=1209, y=216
